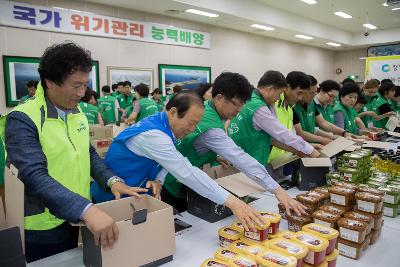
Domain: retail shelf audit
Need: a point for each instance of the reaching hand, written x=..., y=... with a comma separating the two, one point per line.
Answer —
x=289, y=202
x=118, y=189
x=224, y=163
x=155, y=186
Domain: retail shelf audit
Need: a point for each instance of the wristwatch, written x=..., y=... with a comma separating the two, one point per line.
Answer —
x=113, y=180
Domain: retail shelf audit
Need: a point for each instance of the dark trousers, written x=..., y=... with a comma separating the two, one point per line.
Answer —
x=178, y=203
x=37, y=251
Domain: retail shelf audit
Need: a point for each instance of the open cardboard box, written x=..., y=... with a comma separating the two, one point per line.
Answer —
x=150, y=243
x=312, y=171
x=98, y=132
x=117, y=129
x=238, y=184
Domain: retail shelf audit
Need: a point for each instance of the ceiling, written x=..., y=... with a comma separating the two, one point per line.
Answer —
x=288, y=17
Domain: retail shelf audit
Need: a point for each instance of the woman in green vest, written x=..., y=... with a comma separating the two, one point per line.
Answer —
x=369, y=92
x=381, y=105
x=89, y=109
x=157, y=97
x=143, y=106
x=327, y=92
x=345, y=115
x=209, y=139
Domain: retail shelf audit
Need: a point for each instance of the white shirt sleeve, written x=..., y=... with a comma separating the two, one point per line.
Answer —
x=159, y=147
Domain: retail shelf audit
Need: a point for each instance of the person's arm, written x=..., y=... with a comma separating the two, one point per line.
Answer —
x=116, y=103
x=266, y=121
x=24, y=151
x=287, y=148
x=339, y=119
x=220, y=143
x=329, y=127
x=309, y=137
x=135, y=112
x=100, y=119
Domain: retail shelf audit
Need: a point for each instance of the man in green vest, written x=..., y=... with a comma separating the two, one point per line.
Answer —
x=47, y=140
x=381, y=105
x=108, y=106
x=307, y=120
x=143, y=106
x=31, y=86
x=117, y=89
x=91, y=111
x=125, y=100
x=229, y=93
x=157, y=97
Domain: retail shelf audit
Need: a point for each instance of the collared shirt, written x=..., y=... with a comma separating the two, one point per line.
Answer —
x=159, y=147
x=265, y=119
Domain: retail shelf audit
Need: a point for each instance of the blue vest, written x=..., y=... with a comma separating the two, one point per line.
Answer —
x=134, y=169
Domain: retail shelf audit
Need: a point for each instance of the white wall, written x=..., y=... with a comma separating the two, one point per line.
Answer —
x=250, y=55
x=350, y=63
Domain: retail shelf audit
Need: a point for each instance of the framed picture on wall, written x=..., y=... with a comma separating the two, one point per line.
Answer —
x=19, y=70
x=189, y=77
x=134, y=75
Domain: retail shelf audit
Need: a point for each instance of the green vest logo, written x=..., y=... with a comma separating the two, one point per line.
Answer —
x=82, y=127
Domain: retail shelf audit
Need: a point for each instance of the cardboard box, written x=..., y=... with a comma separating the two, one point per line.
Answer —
x=238, y=184
x=312, y=172
x=150, y=243
x=102, y=146
x=117, y=129
x=98, y=132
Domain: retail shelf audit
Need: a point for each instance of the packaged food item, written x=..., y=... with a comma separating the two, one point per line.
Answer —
x=254, y=250
x=350, y=174
x=295, y=222
x=214, y=263
x=227, y=235
x=326, y=218
x=368, y=202
x=323, y=196
x=341, y=196
x=331, y=259
x=274, y=219
x=273, y=258
x=334, y=209
x=378, y=219
x=350, y=249
x=390, y=210
x=240, y=246
x=316, y=247
x=352, y=230
x=238, y=226
x=309, y=201
x=392, y=195
x=346, y=185
x=353, y=160
x=323, y=264
x=262, y=231
x=243, y=261
x=328, y=233
x=365, y=188
x=322, y=189
x=286, y=234
x=282, y=211
x=292, y=248
x=359, y=216
x=367, y=241
x=333, y=177
x=225, y=254
x=375, y=234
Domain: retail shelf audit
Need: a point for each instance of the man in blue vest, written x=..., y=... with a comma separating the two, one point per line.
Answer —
x=144, y=153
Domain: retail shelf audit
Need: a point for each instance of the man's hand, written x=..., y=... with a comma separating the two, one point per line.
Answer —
x=247, y=215
x=155, y=186
x=102, y=226
x=118, y=189
x=224, y=163
x=289, y=203
x=325, y=141
x=315, y=153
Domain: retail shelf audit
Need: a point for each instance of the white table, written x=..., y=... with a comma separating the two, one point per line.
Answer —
x=199, y=242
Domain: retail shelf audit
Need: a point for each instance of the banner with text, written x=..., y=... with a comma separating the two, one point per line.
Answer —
x=380, y=68
x=65, y=20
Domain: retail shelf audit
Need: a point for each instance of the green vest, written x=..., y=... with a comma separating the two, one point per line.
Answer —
x=327, y=113
x=124, y=103
x=210, y=120
x=367, y=120
x=66, y=147
x=349, y=117
x=285, y=117
x=115, y=93
x=375, y=105
x=107, y=108
x=306, y=117
x=147, y=107
x=91, y=112
x=241, y=130
x=160, y=105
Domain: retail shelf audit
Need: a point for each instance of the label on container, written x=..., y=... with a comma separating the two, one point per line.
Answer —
x=310, y=257
x=244, y=263
x=253, y=235
x=289, y=247
x=293, y=227
x=387, y=211
x=228, y=254
x=322, y=223
x=366, y=206
x=254, y=250
x=338, y=199
x=389, y=199
x=352, y=162
x=347, y=177
x=241, y=245
x=347, y=251
x=349, y=234
x=216, y=264
x=276, y=258
x=224, y=242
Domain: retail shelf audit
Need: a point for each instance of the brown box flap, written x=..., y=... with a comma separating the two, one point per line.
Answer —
x=97, y=132
x=118, y=129
x=335, y=147
x=240, y=185
x=393, y=134
x=283, y=160
x=377, y=144
x=316, y=162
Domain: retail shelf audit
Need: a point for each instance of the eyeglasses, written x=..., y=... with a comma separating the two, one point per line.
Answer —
x=330, y=95
x=237, y=103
